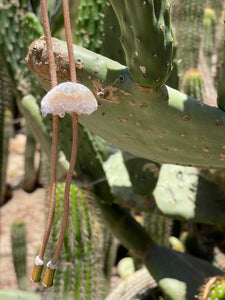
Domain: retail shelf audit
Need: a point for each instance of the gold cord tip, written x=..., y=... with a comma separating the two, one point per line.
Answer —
x=36, y=274
x=49, y=275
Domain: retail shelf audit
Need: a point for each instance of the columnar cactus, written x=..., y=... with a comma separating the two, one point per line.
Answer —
x=80, y=272
x=19, y=250
x=188, y=24
x=6, y=100
x=209, y=37
x=137, y=286
x=90, y=24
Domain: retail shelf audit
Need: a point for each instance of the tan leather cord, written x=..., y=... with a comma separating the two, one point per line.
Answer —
x=67, y=189
x=66, y=15
x=75, y=133
x=53, y=78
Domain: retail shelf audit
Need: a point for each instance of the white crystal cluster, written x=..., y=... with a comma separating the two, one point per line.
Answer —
x=68, y=97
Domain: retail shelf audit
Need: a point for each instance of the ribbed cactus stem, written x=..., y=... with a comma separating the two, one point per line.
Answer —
x=214, y=289
x=90, y=24
x=221, y=84
x=193, y=84
x=135, y=286
x=80, y=268
x=209, y=24
x=11, y=43
x=6, y=100
x=30, y=176
x=159, y=227
x=188, y=20
x=19, y=250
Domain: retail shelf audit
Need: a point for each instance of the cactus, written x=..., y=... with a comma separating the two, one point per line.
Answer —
x=6, y=99
x=30, y=176
x=144, y=117
x=141, y=22
x=19, y=250
x=159, y=227
x=221, y=85
x=134, y=287
x=185, y=193
x=143, y=174
x=11, y=43
x=90, y=24
x=193, y=84
x=112, y=33
x=187, y=18
x=17, y=294
x=195, y=127
x=214, y=289
x=209, y=34
x=80, y=271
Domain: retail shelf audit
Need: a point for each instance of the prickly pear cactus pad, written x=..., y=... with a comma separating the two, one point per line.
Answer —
x=146, y=39
x=159, y=124
x=186, y=193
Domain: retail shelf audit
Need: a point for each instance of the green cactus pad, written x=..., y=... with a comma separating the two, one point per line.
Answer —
x=160, y=124
x=186, y=193
x=18, y=295
x=143, y=174
x=146, y=39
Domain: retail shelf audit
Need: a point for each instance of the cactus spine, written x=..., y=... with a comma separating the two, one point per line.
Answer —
x=19, y=250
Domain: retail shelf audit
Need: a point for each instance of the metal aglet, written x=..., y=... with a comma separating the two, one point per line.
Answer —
x=37, y=269
x=49, y=275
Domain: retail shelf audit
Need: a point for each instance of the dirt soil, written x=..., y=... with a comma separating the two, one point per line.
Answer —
x=29, y=207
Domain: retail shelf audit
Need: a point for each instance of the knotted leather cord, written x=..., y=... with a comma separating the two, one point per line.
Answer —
x=53, y=79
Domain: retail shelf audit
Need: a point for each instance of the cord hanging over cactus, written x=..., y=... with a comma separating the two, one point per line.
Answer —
x=70, y=97
x=80, y=272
